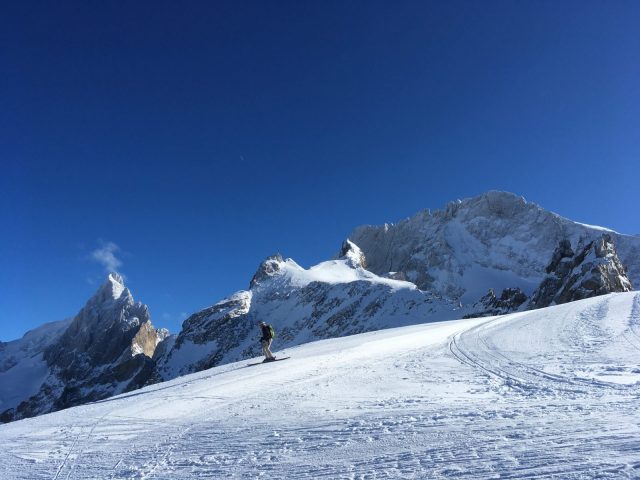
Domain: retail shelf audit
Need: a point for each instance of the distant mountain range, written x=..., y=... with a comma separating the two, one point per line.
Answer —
x=437, y=265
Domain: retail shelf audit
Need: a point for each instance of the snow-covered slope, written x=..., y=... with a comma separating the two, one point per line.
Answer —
x=104, y=350
x=549, y=393
x=496, y=240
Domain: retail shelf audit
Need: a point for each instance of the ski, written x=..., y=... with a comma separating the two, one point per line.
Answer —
x=270, y=361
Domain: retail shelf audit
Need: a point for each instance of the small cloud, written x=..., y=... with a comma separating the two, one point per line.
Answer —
x=106, y=256
x=166, y=316
x=183, y=315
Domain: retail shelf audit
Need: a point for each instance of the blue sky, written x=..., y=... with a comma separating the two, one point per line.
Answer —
x=188, y=141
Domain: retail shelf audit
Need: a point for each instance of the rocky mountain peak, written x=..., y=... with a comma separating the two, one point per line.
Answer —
x=268, y=268
x=493, y=203
x=352, y=254
x=103, y=328
x=113, y=289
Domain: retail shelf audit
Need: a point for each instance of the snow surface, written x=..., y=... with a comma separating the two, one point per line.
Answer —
x=117, y=285
x=334, y=272
x=596, y=227
x=549, y=393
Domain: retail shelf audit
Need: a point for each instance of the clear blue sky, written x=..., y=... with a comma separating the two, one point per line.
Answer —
x=189, y=140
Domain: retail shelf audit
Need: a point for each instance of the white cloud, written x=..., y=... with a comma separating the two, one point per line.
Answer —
x=106, y=256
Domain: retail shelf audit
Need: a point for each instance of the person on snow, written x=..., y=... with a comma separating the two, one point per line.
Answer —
x=265, y=341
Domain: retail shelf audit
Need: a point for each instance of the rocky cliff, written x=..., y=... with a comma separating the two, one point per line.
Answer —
x=594, y=269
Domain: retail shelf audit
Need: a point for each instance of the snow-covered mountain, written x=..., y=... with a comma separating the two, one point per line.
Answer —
x=453, y=258
x=427, y=268
x=104, y=350
x=496, y=240
x=552, y=393
x=332, y=299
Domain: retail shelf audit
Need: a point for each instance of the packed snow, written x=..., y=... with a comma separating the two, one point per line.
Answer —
x=549, y=393
x=335, y=272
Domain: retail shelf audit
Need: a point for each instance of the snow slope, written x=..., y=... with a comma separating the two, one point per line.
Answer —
x=549, y=393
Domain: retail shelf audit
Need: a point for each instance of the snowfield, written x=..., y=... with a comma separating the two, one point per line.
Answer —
x=550, y=393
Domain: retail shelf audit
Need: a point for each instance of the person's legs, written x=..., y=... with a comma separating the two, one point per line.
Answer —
x=266, y=350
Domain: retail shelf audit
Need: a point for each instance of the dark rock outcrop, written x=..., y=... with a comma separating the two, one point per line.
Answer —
x=594, y=270
x=510, y=300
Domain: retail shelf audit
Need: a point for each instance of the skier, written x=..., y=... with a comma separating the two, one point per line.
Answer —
x=265, y=341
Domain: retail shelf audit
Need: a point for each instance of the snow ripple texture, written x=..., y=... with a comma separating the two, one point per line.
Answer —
x=551, y=393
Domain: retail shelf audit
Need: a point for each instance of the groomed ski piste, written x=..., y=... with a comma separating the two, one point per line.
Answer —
x=550, y=393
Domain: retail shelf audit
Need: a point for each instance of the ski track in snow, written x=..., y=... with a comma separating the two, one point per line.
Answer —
x=552, y=393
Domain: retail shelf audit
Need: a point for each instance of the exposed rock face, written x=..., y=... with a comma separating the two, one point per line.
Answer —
x=496, y=240
x=510, y=300
x=594, y=270
x=104, y=350
x=146, y=340
x=207, y=336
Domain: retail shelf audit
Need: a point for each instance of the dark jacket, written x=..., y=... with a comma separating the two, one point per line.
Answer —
x=266, y=332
